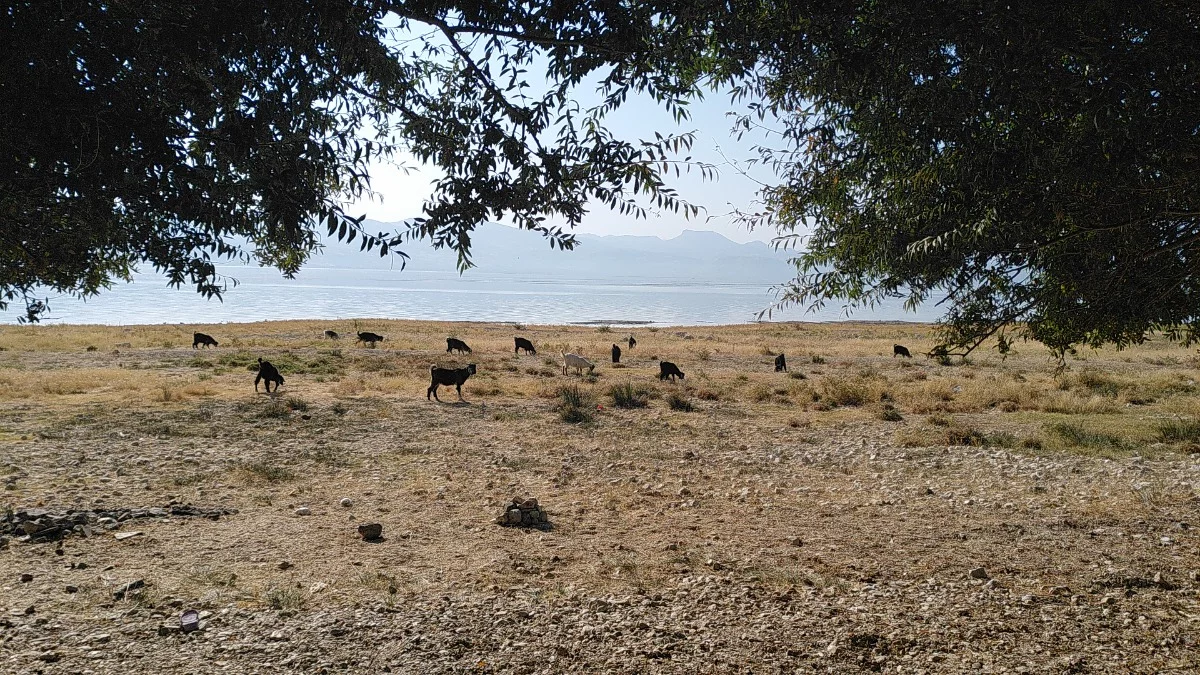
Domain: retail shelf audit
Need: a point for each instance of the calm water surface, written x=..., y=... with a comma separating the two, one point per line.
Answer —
x=326, y=293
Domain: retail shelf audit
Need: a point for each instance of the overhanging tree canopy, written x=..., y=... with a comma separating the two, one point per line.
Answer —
x=1036, y=162
x=1039, y=163
x=183, y=134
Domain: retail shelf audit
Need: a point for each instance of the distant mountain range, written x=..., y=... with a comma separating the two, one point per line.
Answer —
x=693, y=255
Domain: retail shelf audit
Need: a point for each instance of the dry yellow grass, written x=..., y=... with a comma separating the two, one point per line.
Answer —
x=888, y=470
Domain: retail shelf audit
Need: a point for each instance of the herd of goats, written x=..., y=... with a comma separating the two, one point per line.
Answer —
x=456, y=377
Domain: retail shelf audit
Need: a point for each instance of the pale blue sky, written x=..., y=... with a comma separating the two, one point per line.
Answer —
x=401, y=195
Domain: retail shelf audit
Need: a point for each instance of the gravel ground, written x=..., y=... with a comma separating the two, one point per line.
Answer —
x=727, y=540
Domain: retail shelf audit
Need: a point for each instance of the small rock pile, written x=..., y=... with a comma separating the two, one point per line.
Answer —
x=524, y=513
x=39, y=525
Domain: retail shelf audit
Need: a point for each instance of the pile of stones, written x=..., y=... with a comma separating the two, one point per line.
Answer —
x=524, y=513
x=39, y=525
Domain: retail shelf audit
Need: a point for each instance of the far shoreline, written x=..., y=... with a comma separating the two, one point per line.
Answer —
x=594, y=323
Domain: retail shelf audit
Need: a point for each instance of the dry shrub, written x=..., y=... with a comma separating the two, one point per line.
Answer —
x=837, y=390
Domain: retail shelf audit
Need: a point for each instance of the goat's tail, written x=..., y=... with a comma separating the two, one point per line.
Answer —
x=432, y=367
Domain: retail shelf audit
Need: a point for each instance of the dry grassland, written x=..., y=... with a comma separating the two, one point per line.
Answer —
x=827, y=519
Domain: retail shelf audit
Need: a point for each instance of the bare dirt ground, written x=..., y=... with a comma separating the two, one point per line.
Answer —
x=860, y=513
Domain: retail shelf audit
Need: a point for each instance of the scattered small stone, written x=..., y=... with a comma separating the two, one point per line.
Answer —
x=796, y=541
x=524, y=513
x=978, y=573
x=168, y=628
x=347, y=502
x=26, y=578
x=71, y=588
x=121, y=536
x=304, y=511
x=284, y=566
x=370, y=531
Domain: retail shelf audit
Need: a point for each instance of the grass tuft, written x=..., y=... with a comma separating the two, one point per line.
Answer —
x=677, y=402
x=1178, y=431
x=574, y=405
x=626, y=395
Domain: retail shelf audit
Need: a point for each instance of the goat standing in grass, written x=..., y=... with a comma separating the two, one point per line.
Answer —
x=667, y=369
x=456, y=345
x=447, y=377
x=521, y=343
x=268, y=372
x=577, y=362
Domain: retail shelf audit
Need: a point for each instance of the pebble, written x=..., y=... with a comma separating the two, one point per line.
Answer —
x=978, y=573
x=347, y=502
x=370, y=531
x=26, y=578
x=304, y=511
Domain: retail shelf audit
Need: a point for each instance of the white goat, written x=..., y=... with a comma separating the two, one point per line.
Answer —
x=577, y=362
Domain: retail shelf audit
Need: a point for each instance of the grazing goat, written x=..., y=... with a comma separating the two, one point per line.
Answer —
x=781, y=363
x=632, y=342
x=268, y=372
x=331, y=335
x=616, y=354
x=522, y=343
x=447, y=377
x=667, y=369
x=456, y=345
x=900, y=350
x=370, y=338
x=202, y=339
x=577, y=362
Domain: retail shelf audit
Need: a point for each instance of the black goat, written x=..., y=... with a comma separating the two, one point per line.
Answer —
x=447, y=377
x=331, y=335
x=781, y=363
x=616, y=354
x=667, y=369
x=202, y=339
x=370, y=338
x=900, y=350
x=632, y=342
x=270, y=373
x=454, y=344
x=522, y=343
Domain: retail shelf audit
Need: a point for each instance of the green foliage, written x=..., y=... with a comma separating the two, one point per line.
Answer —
x=626, y=395
x=1077, y=436
x=1179, y=431
x=1027, y=164
x=189, y=135
x=1030, y=163
x=574, y=405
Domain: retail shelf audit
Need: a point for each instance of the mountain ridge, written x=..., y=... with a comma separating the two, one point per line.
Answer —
x=501, y=249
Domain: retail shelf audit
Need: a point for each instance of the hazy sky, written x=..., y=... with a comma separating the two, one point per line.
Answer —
x=402, y=195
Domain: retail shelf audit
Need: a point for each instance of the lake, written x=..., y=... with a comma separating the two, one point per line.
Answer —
x=337, y=293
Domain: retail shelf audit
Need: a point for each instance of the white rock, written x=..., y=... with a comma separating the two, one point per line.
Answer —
x=304, y=511
x=346, y=501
